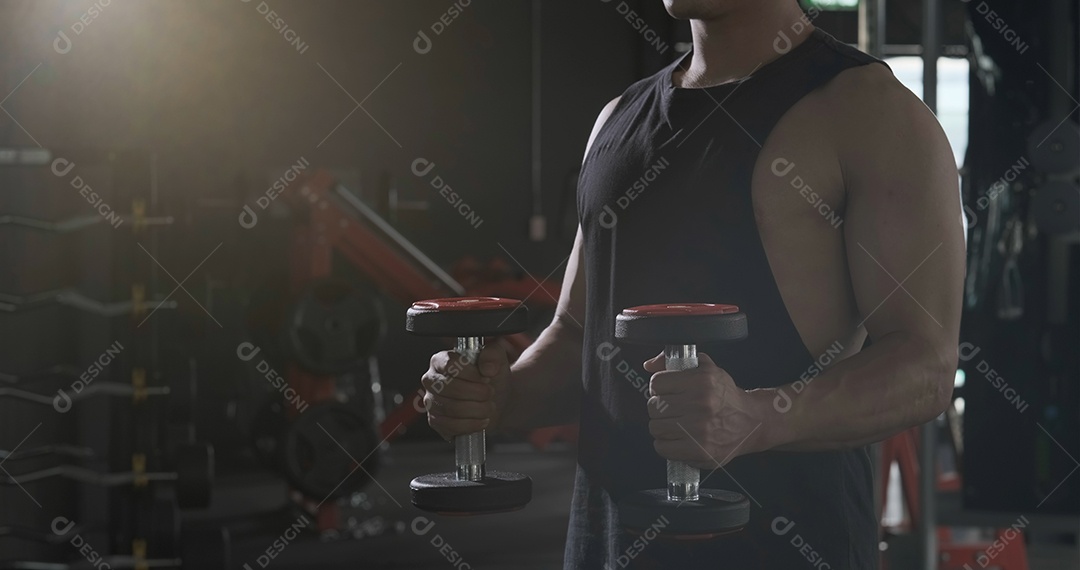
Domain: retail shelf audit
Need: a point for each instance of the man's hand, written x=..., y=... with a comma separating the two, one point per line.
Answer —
x=699, y=416
x=465, y=397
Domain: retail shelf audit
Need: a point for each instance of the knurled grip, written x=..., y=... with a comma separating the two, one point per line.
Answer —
x=469, y=451
x=683, y=480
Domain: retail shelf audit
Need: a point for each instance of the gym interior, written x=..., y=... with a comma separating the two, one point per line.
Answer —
x=219, y=217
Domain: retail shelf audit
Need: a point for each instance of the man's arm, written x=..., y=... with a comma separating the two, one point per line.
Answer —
x=905, y=253
x=546, y=380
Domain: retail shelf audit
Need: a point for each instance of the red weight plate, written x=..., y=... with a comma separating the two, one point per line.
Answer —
x=466, y=304
x=674, y=310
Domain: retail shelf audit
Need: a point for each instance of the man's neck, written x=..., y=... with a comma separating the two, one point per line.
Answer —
x=734, y=46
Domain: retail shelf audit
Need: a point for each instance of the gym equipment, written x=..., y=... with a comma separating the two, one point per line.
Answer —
x=193, y=475
x=1056, y=207
x=470, y=490
x=1054, y=147
x=323, y=446
x=334, y=327
x=136, y=220
x=99, y=388
x=73, y=298
x=692, y=512
x=74, y=451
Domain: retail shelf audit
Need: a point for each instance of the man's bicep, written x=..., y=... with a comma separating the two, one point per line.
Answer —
x=903, y=230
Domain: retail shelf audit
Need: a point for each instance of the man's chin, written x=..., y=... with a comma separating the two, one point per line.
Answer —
x=696, y=9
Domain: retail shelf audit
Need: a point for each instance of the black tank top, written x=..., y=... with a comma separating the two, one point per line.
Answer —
x=665, y=209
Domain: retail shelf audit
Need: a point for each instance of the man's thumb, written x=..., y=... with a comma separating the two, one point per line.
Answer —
x=492, y=360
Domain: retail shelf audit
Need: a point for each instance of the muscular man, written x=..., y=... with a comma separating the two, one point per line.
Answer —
x=778, y=170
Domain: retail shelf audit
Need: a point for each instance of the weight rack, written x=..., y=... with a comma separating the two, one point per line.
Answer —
x=85, y=316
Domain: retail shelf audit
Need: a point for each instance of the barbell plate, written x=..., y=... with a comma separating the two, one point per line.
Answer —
x=716, y=512
x=498, y=491
x=681, y=323
x=467, y=317
x=321, y=446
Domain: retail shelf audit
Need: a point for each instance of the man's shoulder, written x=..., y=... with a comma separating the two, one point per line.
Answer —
x=869, y=98
x=871, y=112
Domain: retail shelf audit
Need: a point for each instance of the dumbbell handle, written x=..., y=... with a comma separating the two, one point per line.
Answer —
x=682, y=479
x=469, y=451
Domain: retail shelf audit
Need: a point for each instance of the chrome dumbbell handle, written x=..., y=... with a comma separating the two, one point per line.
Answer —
x=683, y=480
x=469, y=452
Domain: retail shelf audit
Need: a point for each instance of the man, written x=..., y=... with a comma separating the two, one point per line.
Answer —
x=774, y=169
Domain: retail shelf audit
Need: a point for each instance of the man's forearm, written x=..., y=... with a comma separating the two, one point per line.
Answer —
x=898, y=382
x=545, y=382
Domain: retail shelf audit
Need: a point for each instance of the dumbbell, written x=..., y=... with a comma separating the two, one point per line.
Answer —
x=691, y=512
x=470, y=490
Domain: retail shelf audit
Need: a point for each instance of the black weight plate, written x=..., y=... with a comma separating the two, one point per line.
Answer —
x=1056, y=207
x=195, y=475
x=206, y=549
x=467, y=317
x=716, y=512
x=663, y=326
x=183, y=394
x=163, y=531
x=321, y=448
x=334, y=327
x=1054, y=147
x=498, y=491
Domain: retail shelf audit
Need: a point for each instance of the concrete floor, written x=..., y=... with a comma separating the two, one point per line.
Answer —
x=532, y=538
